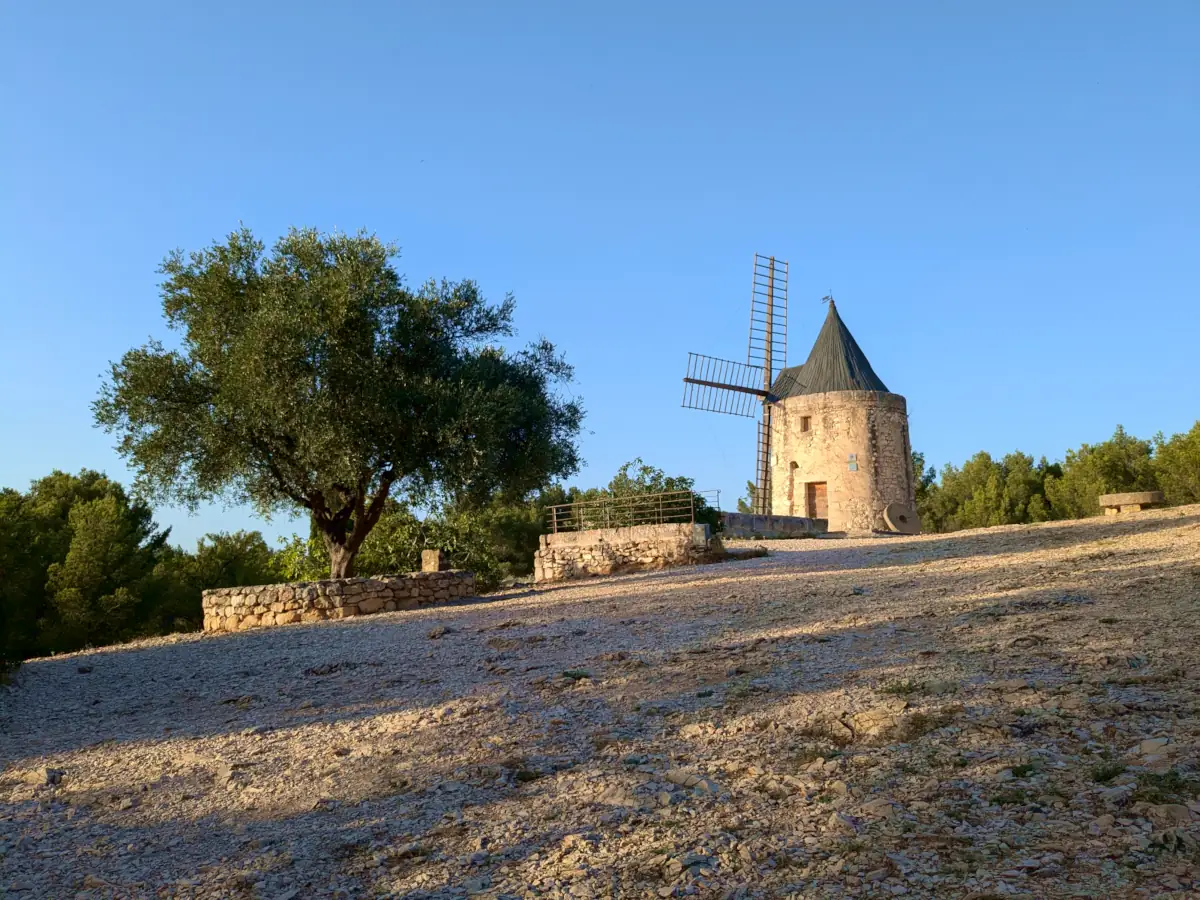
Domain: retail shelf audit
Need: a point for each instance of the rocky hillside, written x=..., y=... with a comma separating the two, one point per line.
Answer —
x=1011, y=712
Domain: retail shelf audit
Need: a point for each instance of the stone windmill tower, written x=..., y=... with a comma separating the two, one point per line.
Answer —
x=833, y=441
x=840, y=449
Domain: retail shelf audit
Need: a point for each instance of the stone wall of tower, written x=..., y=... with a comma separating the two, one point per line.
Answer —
x=856, y=444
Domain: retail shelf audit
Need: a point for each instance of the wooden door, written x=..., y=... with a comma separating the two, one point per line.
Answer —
x=818, y=503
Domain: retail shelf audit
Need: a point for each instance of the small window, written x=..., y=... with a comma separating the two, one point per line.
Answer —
x=805, y=423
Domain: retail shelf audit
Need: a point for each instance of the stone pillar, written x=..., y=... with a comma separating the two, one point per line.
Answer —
x=434, y=561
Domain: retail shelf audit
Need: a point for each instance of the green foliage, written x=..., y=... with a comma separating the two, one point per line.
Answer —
x=1122, y=463
x=1014, y=490
x=636, y=477
x=76, y=563
x=1165, y=787
x=313, y=378
x=1177, y=464
x=746, y=504
x=1107, y=771
x=905, y=688
x=227, y=560
x=81, y=564
x=924, y=478
x=20, y=582
x=495, y=540
x=985, y=492
x=220, y=560
x=103, y=589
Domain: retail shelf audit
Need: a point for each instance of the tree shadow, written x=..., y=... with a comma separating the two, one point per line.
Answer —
x=882, y=552
x=756, y=652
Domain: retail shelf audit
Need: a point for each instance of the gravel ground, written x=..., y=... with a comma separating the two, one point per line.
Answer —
x=1009, y=712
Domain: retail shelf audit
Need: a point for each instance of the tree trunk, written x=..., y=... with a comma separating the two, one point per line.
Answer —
x=345, y=530
x=341, y=561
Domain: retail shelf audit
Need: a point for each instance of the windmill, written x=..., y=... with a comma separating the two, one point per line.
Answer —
x=745, y=389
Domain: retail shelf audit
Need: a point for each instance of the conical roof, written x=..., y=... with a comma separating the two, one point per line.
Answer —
x=836, y=363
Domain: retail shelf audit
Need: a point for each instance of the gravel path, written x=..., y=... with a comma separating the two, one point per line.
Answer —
x=1009, y=712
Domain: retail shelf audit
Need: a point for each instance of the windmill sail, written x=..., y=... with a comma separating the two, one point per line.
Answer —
x=768, y=316
x=767, y=350
x=747, y=389
x=722, y=385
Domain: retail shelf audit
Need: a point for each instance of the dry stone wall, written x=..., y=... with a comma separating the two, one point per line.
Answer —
x=606, y=551
x=235, y=609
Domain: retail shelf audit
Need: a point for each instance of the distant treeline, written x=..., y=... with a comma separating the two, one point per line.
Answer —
x=83, y=564
x=1015, y=489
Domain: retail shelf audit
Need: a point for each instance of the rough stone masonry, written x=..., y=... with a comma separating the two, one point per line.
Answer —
x=238, y=608
x=605, y=551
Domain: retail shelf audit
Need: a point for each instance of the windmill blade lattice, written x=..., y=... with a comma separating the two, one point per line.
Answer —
x=768, y=316
x=768, y=351
x=744, y=389
x=722, y=385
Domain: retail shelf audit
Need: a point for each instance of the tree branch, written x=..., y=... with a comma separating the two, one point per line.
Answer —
x=366, y=521
x=295, y=496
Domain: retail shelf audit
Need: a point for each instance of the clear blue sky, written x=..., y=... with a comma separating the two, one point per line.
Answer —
x=1004, y=197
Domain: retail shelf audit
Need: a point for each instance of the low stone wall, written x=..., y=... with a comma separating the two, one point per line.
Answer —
x=605, y=551
x=235, y=609
x=744, y=525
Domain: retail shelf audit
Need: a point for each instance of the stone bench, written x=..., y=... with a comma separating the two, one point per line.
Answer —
x=1134, y=501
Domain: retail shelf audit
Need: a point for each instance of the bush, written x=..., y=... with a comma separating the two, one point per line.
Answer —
x=76, y=564
x=496, y=540
x=984, y=492
x=1122, y=463
x=1177, y=465
x=7, y=658
x=636, y=477
x=1015, y=490
x=83, y=564
x=220, y=560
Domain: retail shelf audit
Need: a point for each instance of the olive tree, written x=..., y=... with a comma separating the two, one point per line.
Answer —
x=313, y=378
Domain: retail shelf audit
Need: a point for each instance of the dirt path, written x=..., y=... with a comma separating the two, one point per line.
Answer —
x=1010, y=712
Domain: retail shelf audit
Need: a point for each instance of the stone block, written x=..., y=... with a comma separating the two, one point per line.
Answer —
x=371, y=604
x=1132, y=500
x=434, y=561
